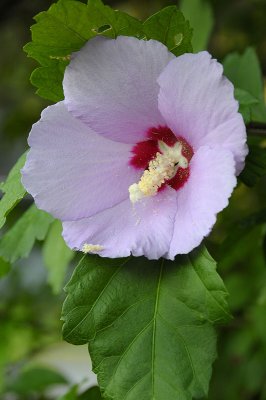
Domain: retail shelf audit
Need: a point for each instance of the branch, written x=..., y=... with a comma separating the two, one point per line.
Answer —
x=256, y=129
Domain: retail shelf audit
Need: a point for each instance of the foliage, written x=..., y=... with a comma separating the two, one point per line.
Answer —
x=67, y=25
x=200, y=15
x=4, y=267
x=141, y=320
x=150, y=325
x=56, y=256
x=12, y=189
x=35, y=380
x=245, y=73
x=170, y=27
x=246, y=101
x=92, y=393
x=19, y=240
x=255, y=165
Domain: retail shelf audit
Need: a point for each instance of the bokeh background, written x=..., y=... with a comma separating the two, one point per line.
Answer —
x=34, y=362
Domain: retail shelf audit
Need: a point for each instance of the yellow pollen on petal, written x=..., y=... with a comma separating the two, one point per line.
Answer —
x=91, y=248
x=162, y=168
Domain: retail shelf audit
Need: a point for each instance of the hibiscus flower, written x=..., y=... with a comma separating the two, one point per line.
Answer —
x=143, y=152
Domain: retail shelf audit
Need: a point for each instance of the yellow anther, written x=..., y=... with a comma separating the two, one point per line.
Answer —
x=91, y=248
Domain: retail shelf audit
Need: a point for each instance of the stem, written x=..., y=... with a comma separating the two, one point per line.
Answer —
x=256, y=129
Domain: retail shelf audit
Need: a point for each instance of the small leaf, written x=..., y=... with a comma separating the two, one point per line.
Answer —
x=255, y=166
x=170, y=27
x=246, y=101
x=245, y=73
x=149, y=324
x=19, y=240
x=57, y=256
x=200, y=16
x=12, y=189
x=48, y=80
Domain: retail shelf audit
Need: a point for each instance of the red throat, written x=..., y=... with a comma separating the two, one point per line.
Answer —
x=145, y=151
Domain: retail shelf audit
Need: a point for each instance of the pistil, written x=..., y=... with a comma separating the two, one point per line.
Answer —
x=160, y=169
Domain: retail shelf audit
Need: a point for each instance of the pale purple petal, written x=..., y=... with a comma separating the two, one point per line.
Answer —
x=230, y=135
x=206, y=193
x=143, y=229
x=198, y=103
x=112, y=86
x=72, y=172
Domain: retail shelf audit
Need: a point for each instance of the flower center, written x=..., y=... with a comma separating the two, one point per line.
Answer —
x=165, y=159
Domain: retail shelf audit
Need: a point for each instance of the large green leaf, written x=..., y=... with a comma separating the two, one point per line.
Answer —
x=200, y=16
x=57, y=256
x=12, y=189
x=245, y=73
x=149, y=324
x=170, y=27
x=19, y=240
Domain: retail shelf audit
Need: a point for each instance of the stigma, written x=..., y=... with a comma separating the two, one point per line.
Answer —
x=161, y=169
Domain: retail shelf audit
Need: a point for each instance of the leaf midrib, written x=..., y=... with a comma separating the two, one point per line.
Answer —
x=64, y=24
x=210, y=291
x=154, y=325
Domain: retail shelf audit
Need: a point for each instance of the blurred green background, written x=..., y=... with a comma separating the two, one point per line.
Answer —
x=34, y=362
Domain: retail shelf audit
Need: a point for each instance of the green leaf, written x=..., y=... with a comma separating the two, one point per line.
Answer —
x=71, y=394
x=245, y=73
x=61, y=30
x=64, y=29
x=4, y=267
x=68, y=25
x=170, y=27
x=91, y=394
x=200, y=16
x=35, y=380
x=48, y=80
x=19, y=240
x=246, y=101
x=149, y=324
x=112, y=23
x=12, y=189
x=240, y=229
x=57, y=256
x=255, y=166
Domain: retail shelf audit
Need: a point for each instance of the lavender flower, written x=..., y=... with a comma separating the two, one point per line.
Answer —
x=142, y=153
